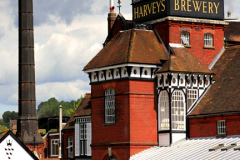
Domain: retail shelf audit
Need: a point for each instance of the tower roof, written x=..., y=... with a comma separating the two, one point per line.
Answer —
x=131, y=46
x=183, y=61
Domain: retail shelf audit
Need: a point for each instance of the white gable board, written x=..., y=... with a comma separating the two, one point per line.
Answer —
x=10, y=149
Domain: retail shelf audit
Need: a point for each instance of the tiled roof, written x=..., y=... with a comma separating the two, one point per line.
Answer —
x=3, y=133
x=232, y=32
x=183, y=61
x=131, y=46
x=13, y=122
x=84, y=109
x=198, y=148
x=224, y=94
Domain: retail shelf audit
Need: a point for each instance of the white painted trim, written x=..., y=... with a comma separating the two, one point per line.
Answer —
x=121, y=65
x=216, y=58
x=54, y=134
x=176, y=45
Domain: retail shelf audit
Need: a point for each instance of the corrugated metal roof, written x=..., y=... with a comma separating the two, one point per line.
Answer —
x=197, y=148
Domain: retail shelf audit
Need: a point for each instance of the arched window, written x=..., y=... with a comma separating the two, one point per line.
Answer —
x=185, y=38
x=163, y=111
x=110, y=105
x=208, y=40
x=192, y=96
x=178, y=111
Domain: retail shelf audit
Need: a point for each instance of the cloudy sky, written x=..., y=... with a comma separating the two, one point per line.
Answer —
x=67, y=34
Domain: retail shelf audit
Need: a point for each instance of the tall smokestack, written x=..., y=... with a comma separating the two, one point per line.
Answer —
x=27, y=123
x=111, y=16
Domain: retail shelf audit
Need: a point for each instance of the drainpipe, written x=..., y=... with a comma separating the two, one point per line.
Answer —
x=60, y=132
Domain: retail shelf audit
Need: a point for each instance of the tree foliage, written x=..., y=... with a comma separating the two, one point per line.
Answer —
x=51, y=107
x=7, y=116
x=3, y=128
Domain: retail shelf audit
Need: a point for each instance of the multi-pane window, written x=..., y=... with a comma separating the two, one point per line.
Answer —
x=163, y=111
x=185, y=38
x=208, y=40
x=192, y=96
x=83, y=136
x=70, y=147
x=110, y=105
x=221, y=127
x=54, y=147
x=83, y=139
x=178, y=115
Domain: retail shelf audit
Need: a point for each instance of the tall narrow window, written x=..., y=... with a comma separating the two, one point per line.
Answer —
x=54, y=147
x=163, y=110
x=70, y=147
x=185, y=38
x=178, y=111
x=221, y=127
x=208, y=40
x=192, y=96
x=83, y=139
x=110, y=105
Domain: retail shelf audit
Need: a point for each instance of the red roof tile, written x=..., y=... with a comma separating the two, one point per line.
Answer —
x=224, y=95
x=183, y=61
x=132, y=46
x=232, y=32
x=84, y=109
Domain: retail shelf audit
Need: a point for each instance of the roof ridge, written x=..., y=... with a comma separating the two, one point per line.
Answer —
x=130, y=46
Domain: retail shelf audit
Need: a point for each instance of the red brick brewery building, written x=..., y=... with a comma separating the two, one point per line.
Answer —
x=162, y=78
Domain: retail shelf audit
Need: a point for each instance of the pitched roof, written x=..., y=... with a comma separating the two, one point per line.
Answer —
x=84, y=109
x=197, y=148
x=13, y=122
x=130, y=47
x=232, y=32
x=3, y=133
x=183, y=61
x=224, y=94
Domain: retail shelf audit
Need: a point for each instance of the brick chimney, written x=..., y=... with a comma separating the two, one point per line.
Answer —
x=111, y=16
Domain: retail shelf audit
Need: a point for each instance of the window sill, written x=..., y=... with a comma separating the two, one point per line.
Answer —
x=109, y=124
x=188, y=46
x=207, y=47
x=221, y=135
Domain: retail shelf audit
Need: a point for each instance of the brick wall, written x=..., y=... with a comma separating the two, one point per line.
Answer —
x=134, y=130
x=207, y=126
x=170, y=32
x=66, y=134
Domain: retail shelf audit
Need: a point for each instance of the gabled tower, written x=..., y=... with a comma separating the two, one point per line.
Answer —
x=27, y=123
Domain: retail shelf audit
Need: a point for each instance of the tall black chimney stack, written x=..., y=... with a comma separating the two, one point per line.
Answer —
x=27, y=123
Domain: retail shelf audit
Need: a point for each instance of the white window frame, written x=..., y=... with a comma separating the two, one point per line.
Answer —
x=83, y=138
x=56, y=142
x=70, y=147
x=110, y=105
x=208, y=40
x=192, y=96
x=221, y=127
x=185, y=38
x=178, y=111
x=163, y=111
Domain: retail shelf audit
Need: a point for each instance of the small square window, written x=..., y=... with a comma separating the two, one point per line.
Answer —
x=208, y=40
x=185, y=38
x=221, y=127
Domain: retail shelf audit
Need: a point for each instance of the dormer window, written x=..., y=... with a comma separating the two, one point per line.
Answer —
x=185, y=40
x=208, y=40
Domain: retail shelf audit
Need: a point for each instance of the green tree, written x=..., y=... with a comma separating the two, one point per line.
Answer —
x=51, y=107
x=8, y=115
x=3, y=128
